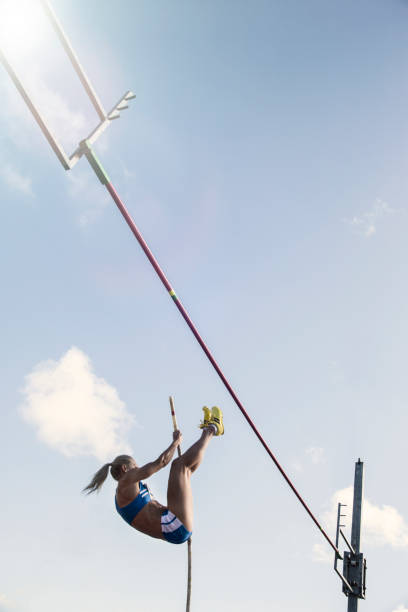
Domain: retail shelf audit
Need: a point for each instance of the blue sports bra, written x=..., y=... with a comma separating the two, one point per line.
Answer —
x=129, y=511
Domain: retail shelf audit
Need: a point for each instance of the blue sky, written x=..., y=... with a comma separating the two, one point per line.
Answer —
x=264, y=160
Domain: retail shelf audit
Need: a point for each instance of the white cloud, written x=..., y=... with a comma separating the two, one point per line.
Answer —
x=5, y=603
x=335, y=372
x=73, y=410
x=87, y=194
x=322, y=553
x=316, y=454
x=297, y=466
x=400, y=608
x=15, y=180
x=366, y=223
x=68, y=124
x=381, y=525
x=66, y=111
x=127, y=172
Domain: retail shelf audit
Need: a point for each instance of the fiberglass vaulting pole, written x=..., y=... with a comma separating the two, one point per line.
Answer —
x=105, y=180
x=189, y=555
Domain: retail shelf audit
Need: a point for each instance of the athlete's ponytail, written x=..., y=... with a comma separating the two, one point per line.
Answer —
x=101, y=475
x=98, y=479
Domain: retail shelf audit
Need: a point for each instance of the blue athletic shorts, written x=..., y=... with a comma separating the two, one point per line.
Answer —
x=173, y=529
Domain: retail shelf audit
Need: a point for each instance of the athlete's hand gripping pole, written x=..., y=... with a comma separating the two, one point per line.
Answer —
x=173, y=416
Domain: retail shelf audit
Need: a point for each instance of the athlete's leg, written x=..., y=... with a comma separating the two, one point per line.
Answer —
x=195, y=454
x=179, y=495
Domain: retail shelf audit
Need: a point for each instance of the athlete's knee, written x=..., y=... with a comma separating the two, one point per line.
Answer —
x=179, y=465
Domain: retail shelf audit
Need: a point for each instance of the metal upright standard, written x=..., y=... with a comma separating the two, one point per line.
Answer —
x=354, y=564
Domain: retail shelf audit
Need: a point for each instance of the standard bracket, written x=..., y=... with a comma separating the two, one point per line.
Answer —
x=69, y=161
x=354, y=571
x=354, y=564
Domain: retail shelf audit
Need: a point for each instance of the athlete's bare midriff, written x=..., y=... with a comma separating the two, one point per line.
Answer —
x=148, y=520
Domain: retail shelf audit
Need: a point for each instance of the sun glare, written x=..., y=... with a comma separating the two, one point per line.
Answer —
x=22, y=26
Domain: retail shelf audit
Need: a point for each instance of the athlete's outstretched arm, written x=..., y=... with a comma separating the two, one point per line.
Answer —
x=141, y=473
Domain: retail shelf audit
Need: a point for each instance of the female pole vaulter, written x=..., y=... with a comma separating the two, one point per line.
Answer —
x=133, y=500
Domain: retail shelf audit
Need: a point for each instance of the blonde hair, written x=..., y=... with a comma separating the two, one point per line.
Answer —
x=101, y=475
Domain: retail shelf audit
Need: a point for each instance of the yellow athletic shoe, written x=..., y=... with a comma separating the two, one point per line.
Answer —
x=216, y=419
x=207, y=416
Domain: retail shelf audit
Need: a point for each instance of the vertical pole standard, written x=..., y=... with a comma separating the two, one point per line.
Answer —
x=56, y=147
x=352, y=602
x=74, y=60
x=175, y=427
